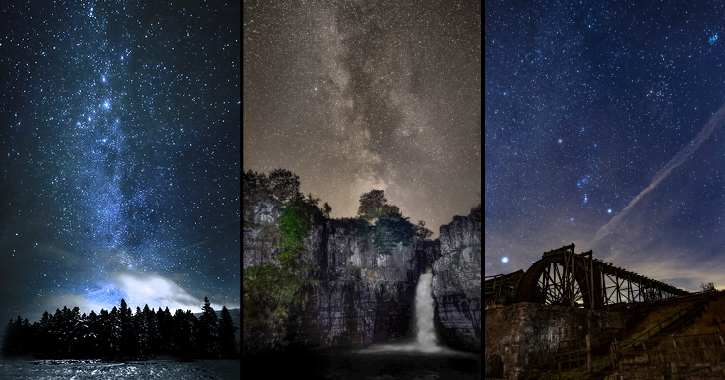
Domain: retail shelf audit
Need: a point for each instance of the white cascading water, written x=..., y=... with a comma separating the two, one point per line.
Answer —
x=425, y=330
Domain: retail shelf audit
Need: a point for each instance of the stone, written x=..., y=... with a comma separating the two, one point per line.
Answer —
x=457, y=283
x=365, y=296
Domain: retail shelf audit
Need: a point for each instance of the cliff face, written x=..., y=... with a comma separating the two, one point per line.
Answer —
x=457, y=283
x=365, y=296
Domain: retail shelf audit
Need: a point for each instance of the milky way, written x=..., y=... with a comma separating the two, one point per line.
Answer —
x=355, y=96
x=120, y=155
x=604, y=129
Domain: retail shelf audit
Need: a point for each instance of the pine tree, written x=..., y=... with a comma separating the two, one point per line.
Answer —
x=166, y=329
x=183, y=336
x=129, y=337
x=74, y=327
x=227, y=337
x=154, y=333
x=58, y=343
x=142, y=329
x=208, y=336
x=112, y=329
x=11, y=341
x=44, y=334
x=92, y=334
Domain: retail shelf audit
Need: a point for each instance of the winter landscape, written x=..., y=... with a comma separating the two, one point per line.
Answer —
x=123, y=345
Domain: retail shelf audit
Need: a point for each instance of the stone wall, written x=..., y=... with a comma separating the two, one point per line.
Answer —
x=526, y=334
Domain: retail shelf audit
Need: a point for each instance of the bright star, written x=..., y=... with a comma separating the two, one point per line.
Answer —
x=561, y=141
x=504, y=260
x=609, y=210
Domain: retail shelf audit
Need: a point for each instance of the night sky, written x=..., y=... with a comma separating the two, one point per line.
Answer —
x=604, y=129
x=119, y=155
x=360, y=95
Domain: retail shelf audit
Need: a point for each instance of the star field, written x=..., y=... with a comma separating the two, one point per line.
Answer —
x=603, y=128
x=355, y=96
x=120, y=151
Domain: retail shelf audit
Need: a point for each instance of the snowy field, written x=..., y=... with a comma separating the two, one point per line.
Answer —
x=89, y=369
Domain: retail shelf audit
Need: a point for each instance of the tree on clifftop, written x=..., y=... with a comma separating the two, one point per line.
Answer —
x=284, y=185
x=371, y=204
x=421, y=232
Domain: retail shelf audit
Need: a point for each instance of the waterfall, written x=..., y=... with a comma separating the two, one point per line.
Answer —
x=424, y=313
x=425, y=339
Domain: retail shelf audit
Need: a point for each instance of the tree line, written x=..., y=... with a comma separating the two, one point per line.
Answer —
x=121, y=334
x=284, y=187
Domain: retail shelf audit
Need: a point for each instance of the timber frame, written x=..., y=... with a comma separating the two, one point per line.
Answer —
x=563, y=277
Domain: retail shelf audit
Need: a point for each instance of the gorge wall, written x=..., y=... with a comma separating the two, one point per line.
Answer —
x=365, y=296
x=457, y=283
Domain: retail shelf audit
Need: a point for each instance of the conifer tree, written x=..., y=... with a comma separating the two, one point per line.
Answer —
x=166, y=328
x=142, y=330
x=129, y=337
x=113, y=330
x=208, y=337
x=183, y=336
x=227, y=336
x=92, y=334
x=44, y=333
x=154, y=333
x=11, y=343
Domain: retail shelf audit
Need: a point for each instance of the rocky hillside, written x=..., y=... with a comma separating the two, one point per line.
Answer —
x=365, y=295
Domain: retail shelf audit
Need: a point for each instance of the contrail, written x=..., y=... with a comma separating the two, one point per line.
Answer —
x=671, y=165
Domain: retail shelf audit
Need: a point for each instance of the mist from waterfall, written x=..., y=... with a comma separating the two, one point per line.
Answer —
x=425, y=339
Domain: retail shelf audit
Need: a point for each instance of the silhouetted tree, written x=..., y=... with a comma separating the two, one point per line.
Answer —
x=12, y=338
x=142, y=331
x=183, y=337
x=166, y=327
x=255, y=188
x=422, y=232
x=68, y=334
x=154, y=333
x=370, y=204
x=227, y=337
x=326, y=209
x=45, y=334
x=129, y=335
x=91, y=334
x=208, y=336
x=112, y=332
x=284, y=185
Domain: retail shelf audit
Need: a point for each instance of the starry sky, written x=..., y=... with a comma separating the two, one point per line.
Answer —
x=119, y=155
x=604, y=129
x=360, y=95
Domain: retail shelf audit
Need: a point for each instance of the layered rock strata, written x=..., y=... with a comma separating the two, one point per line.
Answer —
x=457, y=283
x=365, y=296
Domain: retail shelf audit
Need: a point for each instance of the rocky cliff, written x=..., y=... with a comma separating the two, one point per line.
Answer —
x=457, y=283
x=364, y=295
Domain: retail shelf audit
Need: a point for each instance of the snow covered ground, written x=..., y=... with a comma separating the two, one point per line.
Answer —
x=90, y=369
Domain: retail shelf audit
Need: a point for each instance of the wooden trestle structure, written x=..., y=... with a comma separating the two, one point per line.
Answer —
x=563, y=277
